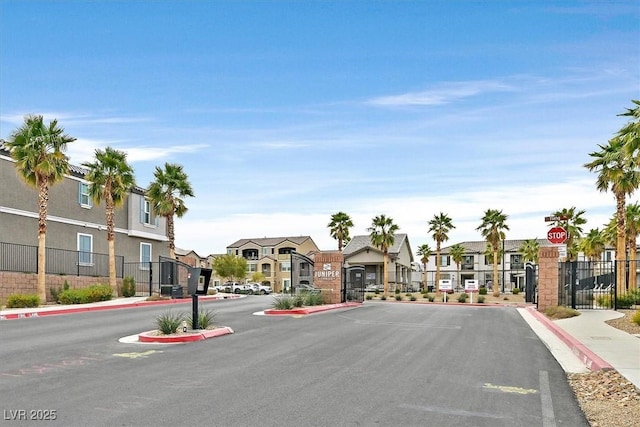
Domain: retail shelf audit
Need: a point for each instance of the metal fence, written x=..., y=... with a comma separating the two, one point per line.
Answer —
x=594, y=285
x=24, y=259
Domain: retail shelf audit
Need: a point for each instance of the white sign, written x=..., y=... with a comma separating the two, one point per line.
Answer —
x=562, y=251
x=471, y=285
x=445, y=285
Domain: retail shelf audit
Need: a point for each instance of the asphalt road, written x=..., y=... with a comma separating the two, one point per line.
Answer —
x=383, y=364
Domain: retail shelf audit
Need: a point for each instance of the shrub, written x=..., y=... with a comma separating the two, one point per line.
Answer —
x=432, y=297
x=482, y=291
x=408, y=294
x=298, y=301
x=515, y=291
x=369, y=297
x=481, y=299
x=604, y=301
x=463, y=297
x=412, y=298
x=425, y=296
x=205, y=319
x=55, y=291
x=23, y=300
x=128, y=287
x=313, y=299
x=636, y=318
x=383, y=297
x=560, y=312
x=156, y=297
x=625, y=301
x=169, y=322
x=377, y=291
x=397, y=291
x=398, y=297
x=283, y=303
x=93, y=293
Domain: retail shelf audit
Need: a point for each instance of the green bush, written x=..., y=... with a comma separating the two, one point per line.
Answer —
x=298, y=301
x=397, y=291
x=625, y=301
x=205, y=319
x=482, y=291
x=412, y=298
x=128, y=287
x=408, y=294
x=398, y=297
x=313, y=299
x=55, y=291
x=425, y=296
x=93, y=293
x=283, y=303
x=432, y=297
x=169, y=322
x=377, y=291
x=463, y=297
x=604, y=301
x=636, y=318
x=481, y=299
x=383, y=298
x=369, y=297
x=23, y=300
x=515, y=291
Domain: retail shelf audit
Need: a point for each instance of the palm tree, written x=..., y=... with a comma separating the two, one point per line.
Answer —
x=440, y=225
x=382, y=235
x=632, y=229
x=492, y=228
x=111, y=179
x=457, y=252
x=617, y=172
x=38, y=150
x=630, y=133
x=165, y=193
x=572, y=221
x=529, y=250
x=424, y=252
x=592, y=246
x=339, y=228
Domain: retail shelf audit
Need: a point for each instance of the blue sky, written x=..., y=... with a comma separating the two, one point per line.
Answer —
x=285, y=112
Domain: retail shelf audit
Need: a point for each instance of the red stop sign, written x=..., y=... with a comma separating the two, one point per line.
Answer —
x=557, y=235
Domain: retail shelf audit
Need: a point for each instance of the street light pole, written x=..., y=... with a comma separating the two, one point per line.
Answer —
x=503, y=262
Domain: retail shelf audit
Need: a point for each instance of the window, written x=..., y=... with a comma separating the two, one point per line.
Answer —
x=145, y=256
x=267, y=251
x=146, y=213
x=467, y=262
x=251, y=267
x=83, y=195
x=445, y=260
x=229, y=251
x=285, y=266
x=516, y=261
x=85, y=249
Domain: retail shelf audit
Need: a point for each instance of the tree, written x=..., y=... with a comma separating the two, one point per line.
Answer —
x=38, y=150
x=592, y=245
x=630, y=133
x=232, y=267
x=457, y=252
x=529, y=250
x=339, y=228
x=258, y=277
x=492, y=228
x=424, y=252
x=111, y=179
x=165, y=193
x=632, y=229
x=440, y=225
x=617, y=172
x=382, y=235
x=572, y=221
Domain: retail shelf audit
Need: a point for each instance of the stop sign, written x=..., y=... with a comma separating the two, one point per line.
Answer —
x=557, y=235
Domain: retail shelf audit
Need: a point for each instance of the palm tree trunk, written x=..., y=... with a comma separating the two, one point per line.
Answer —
x=496, y=288
x=111, y=237
x=438, y=261
x=43, y=197
x=170, y=232
x=633, y=257
x=620, y=243
x=385, y=273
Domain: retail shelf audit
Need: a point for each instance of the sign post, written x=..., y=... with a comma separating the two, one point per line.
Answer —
x=446, y=286
x=471, y=286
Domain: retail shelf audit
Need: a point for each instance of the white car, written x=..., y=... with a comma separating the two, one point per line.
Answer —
x=259, y=288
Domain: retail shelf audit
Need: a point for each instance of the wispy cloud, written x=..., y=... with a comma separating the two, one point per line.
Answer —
x=443, y=94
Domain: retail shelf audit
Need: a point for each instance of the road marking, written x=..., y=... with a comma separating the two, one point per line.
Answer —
x=548, y=416
x=509, y=389
x=138, y=355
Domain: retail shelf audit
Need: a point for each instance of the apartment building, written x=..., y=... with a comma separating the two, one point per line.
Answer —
x=73, y=221
x=272, y=257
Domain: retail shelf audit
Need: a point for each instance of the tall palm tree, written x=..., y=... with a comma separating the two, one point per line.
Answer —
x=529, y=250
x=424, y=252
x=617, y=171
x=165, y=193
x=339, y=228
x=111, y=179
x=572, y=221
x=592, y=246
x=630, y=133
x=632, y=229
x=492, y=228
x=382, y=235
x=38, y=150
x=457, y=252
x=440, y=225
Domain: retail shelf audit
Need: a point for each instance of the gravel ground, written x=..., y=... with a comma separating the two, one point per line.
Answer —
x=607, y=398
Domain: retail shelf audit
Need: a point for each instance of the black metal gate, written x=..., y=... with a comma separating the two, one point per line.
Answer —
x=587, y=284
x=353, y=284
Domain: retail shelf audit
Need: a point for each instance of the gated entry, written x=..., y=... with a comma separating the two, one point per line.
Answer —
x=586, y=284
x=353, y=285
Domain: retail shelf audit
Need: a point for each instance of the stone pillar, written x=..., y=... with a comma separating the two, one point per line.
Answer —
x=547, y=277
x=327, y=275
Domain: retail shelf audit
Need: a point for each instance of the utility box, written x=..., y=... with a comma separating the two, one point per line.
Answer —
x=176, y=292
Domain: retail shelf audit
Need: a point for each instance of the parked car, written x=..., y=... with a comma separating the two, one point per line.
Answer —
x=259, y=288
x=373, y=288
x=234, y=287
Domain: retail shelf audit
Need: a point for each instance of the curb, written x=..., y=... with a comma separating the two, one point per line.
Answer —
x=586, y=356
x=150, y=337
x=80, y=309
x=310, y=310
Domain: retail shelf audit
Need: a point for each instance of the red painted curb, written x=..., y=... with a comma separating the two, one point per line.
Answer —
x=589, y=358
x=150, y=337
x=310, y=310
x=80, y=309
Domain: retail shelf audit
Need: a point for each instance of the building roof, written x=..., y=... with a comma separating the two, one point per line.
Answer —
x=479, y=246
x=358, y=243
x=270, y=241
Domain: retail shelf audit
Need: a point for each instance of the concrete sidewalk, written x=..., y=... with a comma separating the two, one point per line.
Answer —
x=598, y=345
